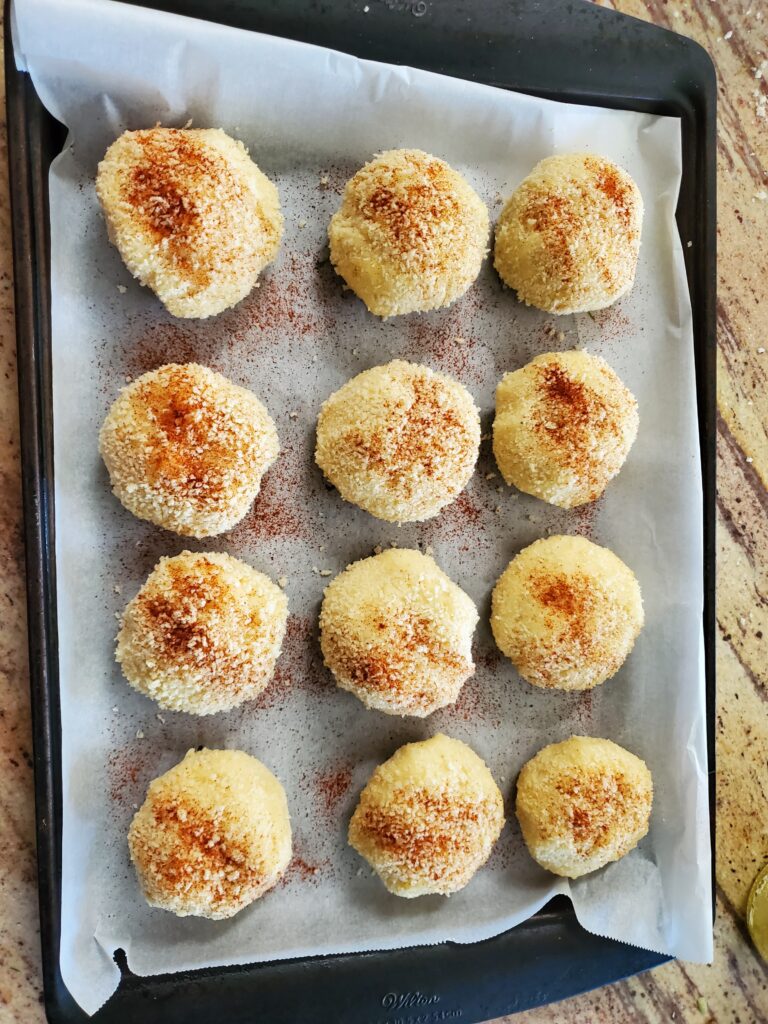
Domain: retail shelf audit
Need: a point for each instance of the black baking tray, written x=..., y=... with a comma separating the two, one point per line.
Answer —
x=561, y=49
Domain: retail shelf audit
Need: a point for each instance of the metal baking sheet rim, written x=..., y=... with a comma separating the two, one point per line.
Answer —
x=554, y=957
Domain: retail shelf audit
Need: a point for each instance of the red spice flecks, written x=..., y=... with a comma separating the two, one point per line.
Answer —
x=412, y=216
x=477, y=700
x=583, y=714
x=489, y=660
x=568, y=601
x=469, y=707
x=556, y=219
x=585, y=516
x=167, y=343
x=274, y=511
x=300, y=665
x=466, y=511
x=333, y=786
x=276, y=692
x=166, y=188
x=569, y=414
x=286, y=302
x=614, y=323
x=334, y=178
x=125, y=773
x=301, y=871
x=461, y=523
x=273, y=307
x=430, y=435
x=447, y=341
x=613, y=185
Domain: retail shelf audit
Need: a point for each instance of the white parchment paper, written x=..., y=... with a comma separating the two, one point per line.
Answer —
x=310, y=118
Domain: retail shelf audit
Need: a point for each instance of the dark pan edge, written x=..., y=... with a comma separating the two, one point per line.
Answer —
x=29, y=217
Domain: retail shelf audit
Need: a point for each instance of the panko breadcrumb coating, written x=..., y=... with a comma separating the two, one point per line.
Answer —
x=568, y=238
x=567, y=613
x=399, y=440
x=428, y=818
x=564, y=426
x=582, y=804
x=186, y=449
x=212, y=836
x=397, y=632
x=203, y=633
x=410, y=235
x=191, y=214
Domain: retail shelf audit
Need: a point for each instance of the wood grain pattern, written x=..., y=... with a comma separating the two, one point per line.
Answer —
x=735, y=988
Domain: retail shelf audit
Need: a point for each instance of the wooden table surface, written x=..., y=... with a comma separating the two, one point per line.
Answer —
x=735, y=988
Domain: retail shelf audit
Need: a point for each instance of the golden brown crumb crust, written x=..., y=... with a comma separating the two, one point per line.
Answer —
x=564, y=426
x=212, y=836
x=569, y=236
x=191, y=214
x=428, y=818
x=397, y=632
x=186, y=449
x=399, y=440
x=582, y=804
x=566, y=612
x=410, y=234
x=203, y=633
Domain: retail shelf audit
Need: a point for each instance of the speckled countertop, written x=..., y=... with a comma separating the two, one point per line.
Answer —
x=735, y=988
